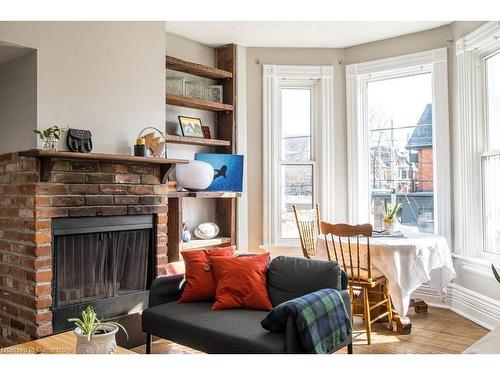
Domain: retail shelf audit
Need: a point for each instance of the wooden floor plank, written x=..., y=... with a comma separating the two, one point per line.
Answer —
x=440, y=331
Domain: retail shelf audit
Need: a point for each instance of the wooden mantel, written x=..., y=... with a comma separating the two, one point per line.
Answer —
x=47, y=160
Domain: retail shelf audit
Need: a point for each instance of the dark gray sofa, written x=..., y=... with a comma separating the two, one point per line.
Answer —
x=239, y=331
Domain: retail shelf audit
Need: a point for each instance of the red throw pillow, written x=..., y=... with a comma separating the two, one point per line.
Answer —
x=200, y=281
x=241, y=282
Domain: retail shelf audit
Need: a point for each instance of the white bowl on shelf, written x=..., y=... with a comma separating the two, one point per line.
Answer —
x=206, y=231
x=196, y=175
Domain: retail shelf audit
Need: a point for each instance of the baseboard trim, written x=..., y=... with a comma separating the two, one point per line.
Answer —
x=474, y=306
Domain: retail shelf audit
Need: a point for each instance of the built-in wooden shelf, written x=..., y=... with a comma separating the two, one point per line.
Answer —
x=198, y=244
x=196, y=141
x=179, y=65
x=47, y=160
x=204, y=194
x=206, y=105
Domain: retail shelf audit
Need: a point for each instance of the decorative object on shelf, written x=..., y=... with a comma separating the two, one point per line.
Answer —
x=94, y=336
x=388, y=223
x=186, y=234
x=194, y=176
x=191, y=126
x=194, y=89
x=175, y=85
x=79, y=140
x=154, y=141
x=50, y=137
x=228, y=171
x=206, y=132
x=213, y=93
x=206, y=231
x=140, y=147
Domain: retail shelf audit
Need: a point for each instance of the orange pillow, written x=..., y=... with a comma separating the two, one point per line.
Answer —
x=200, y=281
x=241, y=282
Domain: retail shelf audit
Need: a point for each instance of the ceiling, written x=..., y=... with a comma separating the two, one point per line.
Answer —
x=9, y=52
x=317, y=34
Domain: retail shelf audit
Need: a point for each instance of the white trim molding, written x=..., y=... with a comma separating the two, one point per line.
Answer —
x=474, y=306
x=469, y=137
x=274, y=77
x=357, y=77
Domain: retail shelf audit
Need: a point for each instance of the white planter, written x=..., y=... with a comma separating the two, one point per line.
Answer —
x=197, y=175
x=99, y=344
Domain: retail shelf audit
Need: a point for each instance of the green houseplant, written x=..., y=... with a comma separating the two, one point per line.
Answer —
x=495, y=273
x=49, y=137
x=93, y=335
x=390, y=212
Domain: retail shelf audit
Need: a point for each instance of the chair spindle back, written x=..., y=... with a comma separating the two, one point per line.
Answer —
x=354, y=263
x=309, y=228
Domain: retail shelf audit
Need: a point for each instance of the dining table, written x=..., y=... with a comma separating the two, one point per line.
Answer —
x=407, y=260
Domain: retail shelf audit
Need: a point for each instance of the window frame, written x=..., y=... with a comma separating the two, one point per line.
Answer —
x=357, y=78
x=319, y=79
x=312, y=86
x=486, y=151
x=472, y=52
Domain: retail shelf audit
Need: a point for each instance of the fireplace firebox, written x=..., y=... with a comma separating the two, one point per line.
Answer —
x=106, y=262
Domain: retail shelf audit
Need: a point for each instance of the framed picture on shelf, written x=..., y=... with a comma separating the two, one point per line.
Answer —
x=191, y=126
x=206, y=132
x=228, y=171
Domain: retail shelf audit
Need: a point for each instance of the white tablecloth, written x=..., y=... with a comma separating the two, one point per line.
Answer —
x=408, y=263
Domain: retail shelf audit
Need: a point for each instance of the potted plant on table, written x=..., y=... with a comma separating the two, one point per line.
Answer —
x=94, y=336
x=390, y=212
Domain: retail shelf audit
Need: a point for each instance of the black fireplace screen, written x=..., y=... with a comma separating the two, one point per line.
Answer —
x=105, y=262
x=100, y=265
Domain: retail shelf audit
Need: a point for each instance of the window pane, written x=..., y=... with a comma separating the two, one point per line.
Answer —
x=296, y=124
x=493, y=102
x=491, y=203
x=296, y=188
x=401, y=150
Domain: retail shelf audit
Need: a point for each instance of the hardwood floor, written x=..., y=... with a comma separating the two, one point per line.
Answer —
x=439, y=331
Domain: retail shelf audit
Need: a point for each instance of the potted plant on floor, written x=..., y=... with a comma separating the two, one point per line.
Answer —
x=94, y=336
x=390, y=216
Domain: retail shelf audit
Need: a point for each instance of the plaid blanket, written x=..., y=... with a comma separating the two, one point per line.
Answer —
x=320, y=317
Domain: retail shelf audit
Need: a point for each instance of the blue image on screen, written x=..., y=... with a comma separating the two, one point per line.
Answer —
x=228, y=171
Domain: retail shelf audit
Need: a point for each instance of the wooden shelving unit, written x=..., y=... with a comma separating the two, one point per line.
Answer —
x=199, y=244
x=182, y=101
x=176, y=139
x=203, y=194
x=224, y=73
x=179, y=65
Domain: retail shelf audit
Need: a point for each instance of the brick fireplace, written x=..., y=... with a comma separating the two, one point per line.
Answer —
x=73, y=188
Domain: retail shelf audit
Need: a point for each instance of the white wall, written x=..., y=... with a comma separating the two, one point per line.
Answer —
x=104, y=76
x=18, y=103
